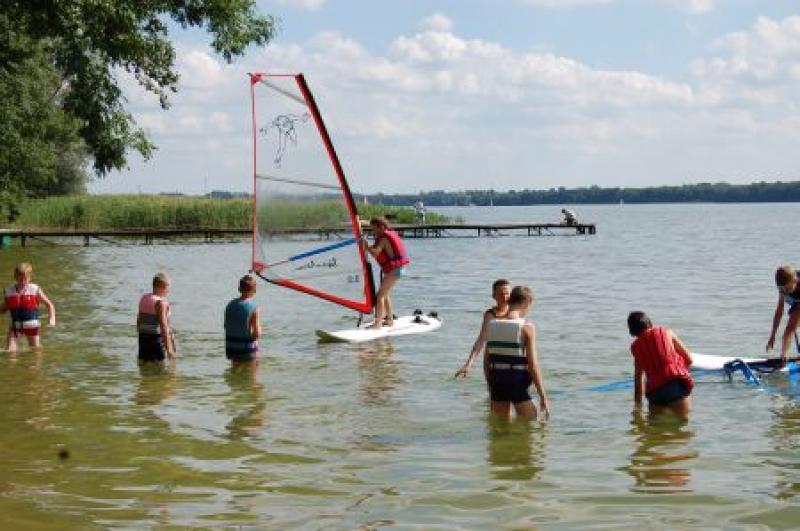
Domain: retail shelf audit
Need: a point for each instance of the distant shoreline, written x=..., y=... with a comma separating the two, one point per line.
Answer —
x=760, y=192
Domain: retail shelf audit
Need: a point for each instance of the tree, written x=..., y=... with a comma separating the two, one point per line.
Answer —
x=73, y=49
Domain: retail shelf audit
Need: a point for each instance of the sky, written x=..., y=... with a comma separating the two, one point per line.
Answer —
x=424, y=95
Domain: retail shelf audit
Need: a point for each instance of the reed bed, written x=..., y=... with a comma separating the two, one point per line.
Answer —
x=98, y=212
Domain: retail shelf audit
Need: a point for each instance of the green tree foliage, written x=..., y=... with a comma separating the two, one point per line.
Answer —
x=59, y=61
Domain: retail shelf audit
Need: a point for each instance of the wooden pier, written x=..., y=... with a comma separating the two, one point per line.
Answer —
x=210, y=235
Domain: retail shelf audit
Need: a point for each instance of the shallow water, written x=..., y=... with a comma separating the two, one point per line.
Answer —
x=380, y=435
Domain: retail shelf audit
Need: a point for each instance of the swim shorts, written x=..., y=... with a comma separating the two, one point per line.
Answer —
x=668, y=393
x=510, y=386
x=151, y=348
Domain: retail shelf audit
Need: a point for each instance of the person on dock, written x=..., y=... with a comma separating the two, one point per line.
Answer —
x=510, y=360
x=786, y=279
x=22, y=300
x=156, y=342
x=243, y=324
x=419, y=212
x=569, y=217
x=390, y=253
x=501, y=289
x=660, y=358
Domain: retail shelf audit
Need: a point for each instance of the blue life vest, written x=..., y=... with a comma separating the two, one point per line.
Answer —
x=238, y=340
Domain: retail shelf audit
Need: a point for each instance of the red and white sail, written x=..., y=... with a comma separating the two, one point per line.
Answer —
x=306, y=234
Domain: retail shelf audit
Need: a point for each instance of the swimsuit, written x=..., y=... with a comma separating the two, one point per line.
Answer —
x=239, y=344
x=509, y=377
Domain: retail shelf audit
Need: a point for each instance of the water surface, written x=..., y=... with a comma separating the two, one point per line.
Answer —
x=380, y=435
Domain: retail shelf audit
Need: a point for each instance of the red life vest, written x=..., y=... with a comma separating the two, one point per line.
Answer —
x=23, y=305
x=400, y=259
x=659, y=360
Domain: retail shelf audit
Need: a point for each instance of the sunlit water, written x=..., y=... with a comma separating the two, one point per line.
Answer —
x=374, y=435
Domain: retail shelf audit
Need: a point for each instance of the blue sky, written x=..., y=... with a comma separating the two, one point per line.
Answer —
x=504, y=94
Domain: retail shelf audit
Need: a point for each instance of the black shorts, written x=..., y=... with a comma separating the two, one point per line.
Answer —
x=510, y=386
x=151, y=348
x=668, y=393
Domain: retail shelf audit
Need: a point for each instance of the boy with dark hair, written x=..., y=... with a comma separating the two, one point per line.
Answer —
x=662, y=359
x=243, y=324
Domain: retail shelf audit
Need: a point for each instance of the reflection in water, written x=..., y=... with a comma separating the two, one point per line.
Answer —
x=247, y=398
x=516, y=447
x=662, y=441
x=158, y=382
x=380, y=373
x=785, y=434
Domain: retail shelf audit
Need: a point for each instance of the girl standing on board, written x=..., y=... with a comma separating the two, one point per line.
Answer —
x=510, y=361
x=501, y=289
x=390, y=253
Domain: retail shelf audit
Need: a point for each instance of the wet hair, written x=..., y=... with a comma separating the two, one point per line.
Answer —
x=23, y=268
x=520, y=295
x=499, y=282
x=784, y=274
x=379, y=221
x=247, y=284
x=638, y=322
x=160, y=280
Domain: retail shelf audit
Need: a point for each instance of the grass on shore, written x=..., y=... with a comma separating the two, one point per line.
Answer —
x=98, y=212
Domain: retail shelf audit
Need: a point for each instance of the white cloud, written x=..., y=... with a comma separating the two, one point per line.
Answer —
x=308, y=5
x=436, y=22
x=438, y=110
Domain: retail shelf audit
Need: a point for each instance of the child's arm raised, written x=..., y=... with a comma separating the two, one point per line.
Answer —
x=51, y=308
x=529, y=337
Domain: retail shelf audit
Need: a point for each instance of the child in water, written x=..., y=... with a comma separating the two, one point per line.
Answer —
x=510, y=361
x=243, y=324
x=152, y=322
x=390, y=253
x=662, y=359
x=501, y=289
x=22, y=300
x=786, y=280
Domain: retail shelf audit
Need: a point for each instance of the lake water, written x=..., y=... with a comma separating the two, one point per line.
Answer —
x=380, y=435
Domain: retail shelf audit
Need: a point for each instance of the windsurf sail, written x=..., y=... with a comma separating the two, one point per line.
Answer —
x=306, y=234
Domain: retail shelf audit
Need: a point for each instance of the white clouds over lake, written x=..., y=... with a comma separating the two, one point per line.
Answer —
x=435, y=108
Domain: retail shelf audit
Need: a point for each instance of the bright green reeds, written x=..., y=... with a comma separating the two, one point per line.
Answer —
x=95, y=212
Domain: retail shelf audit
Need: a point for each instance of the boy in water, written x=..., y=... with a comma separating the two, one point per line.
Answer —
x=152, y=323
x=22, y=300
x=501, y=289
x=510, y=361
x=390, y=253
x=243, y=324
x=661, y=358
x=786, y=279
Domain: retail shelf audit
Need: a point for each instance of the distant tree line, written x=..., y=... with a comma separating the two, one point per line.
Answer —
x=760, y=192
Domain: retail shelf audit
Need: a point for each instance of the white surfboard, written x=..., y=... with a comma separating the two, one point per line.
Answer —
x=708, y=362
x=407, y=324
